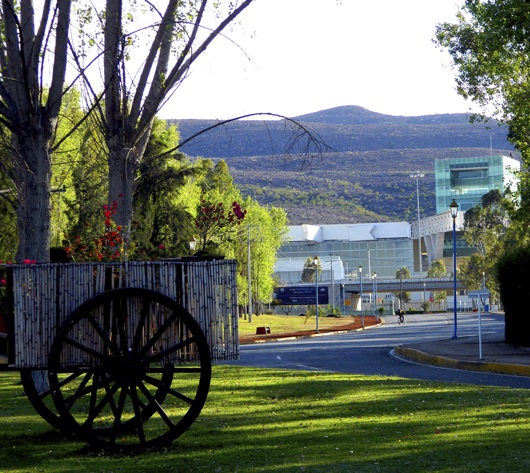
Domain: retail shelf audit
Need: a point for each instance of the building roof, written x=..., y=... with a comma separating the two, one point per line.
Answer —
x=349, y=232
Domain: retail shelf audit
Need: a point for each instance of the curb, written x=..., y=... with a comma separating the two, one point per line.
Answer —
x=314, y=335
x=442, y=361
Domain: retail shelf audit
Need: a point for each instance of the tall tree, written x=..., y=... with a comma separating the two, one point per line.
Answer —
x=402, y=273
x=312, y=268
x=438, y=270
x=265, y=230
x=486, y=229
x=489, y=46
x=160, y=219
x=176, y=37
x=31, y=50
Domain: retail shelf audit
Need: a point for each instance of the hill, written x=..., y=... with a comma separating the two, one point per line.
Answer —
x=362, y=172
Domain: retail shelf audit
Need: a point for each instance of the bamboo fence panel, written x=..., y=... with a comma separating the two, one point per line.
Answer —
x=46, y=294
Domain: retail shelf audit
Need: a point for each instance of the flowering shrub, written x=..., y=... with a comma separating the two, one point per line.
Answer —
x=108, y=247
x=213, y=220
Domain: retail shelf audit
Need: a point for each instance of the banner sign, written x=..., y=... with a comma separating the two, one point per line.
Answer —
x=301, y=295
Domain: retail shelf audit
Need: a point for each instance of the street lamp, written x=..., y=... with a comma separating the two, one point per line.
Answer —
x=374, y=282
x=361, y=280
x=417, y=175
x=315, y=262
x=453, y=206
x=332, y=283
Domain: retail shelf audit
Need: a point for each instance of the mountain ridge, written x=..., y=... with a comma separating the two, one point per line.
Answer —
x=363, y=172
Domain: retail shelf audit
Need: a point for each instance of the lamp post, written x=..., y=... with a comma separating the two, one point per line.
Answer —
x=374, y=282
x=361, y=281
x=453, y=206
x=332, y=282
x=417, y=175
x=315, y=262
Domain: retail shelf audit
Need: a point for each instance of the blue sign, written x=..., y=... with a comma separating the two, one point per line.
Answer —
x=301, y=295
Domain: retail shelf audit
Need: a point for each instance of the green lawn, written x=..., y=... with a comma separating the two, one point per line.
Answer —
x=259, y=420
x=289, y=323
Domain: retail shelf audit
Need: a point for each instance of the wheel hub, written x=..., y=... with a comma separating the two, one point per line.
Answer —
x=128, y=368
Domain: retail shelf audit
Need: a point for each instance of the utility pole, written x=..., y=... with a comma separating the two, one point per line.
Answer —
x=248, y=277
x=417, y=175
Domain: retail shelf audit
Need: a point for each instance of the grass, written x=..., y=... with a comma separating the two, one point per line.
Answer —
x=289, y=323
x=280, y=421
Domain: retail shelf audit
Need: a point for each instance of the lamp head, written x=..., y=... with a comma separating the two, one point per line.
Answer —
x=453, y=206
x=360, y=269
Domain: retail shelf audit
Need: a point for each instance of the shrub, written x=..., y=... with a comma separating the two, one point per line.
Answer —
x=513, y=274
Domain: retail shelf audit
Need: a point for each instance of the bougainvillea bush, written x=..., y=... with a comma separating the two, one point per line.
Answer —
x=215, y=221
x=110, y=246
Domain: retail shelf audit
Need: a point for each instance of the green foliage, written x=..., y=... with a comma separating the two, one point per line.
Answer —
x=161, y=215
x=332, y=309
x=486, y=228
x=438, y=270
x=489, y=47
x=112, y=245
x=267, y=231
x=311, y=270
x=513, y=273
x=403, y=296
x=215, y=222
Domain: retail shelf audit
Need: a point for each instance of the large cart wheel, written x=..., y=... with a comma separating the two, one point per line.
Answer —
x=129, y=368
x=40, y=397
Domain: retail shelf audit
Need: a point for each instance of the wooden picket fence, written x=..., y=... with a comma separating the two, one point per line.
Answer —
x=45, y=294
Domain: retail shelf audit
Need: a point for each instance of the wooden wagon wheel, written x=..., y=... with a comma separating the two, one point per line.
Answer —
x=129, y=368
x=40, y=399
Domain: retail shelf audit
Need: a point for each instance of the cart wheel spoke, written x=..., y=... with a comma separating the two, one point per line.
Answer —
x=158, y=407
x=171, y=350
x=129, y=387
x=104, y=337
x=174, y=393
x=156, y=337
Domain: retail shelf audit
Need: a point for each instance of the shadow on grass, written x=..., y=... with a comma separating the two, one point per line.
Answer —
x=284, y=421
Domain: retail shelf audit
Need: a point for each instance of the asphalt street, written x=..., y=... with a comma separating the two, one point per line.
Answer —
x=370, y=352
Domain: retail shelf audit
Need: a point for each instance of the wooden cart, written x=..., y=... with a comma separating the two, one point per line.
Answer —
x=120, y=354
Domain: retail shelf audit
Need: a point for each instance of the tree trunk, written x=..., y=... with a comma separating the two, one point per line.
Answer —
x=33, y=176
x=122, y=170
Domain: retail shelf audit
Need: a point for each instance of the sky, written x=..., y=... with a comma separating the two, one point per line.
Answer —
x=293, y=57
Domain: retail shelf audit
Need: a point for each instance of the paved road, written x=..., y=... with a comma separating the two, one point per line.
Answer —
x=369, y=352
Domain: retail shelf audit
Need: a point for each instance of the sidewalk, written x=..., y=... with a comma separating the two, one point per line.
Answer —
x=463, y=353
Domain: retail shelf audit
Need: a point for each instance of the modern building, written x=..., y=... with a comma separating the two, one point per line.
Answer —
x=467, y=179
x=380, y=248
x=383, y=248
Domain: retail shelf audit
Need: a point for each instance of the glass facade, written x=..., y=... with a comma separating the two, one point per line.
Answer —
x=467, y=179
x=384, y=256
